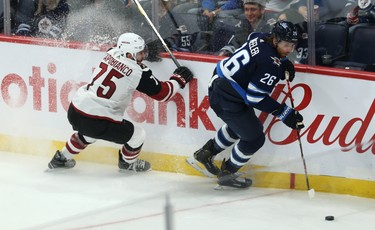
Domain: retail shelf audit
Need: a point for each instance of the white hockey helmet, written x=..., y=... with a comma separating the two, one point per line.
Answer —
x=131, y=43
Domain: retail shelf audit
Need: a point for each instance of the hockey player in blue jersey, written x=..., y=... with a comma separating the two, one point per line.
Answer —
x=240, y=84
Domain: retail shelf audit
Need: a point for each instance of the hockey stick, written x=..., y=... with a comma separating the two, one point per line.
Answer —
x=170, y=14
x=143, y=12
x=311, y=192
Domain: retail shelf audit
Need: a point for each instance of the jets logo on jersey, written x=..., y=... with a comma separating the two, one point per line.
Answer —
x=276, y=61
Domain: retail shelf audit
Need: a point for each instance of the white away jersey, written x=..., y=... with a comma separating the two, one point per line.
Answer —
x=111, y=89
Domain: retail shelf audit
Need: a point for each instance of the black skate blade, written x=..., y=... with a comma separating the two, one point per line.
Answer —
x=51, y=168
x=133, y=171
x=56, y=170
x=127, y=171
x=194, y=163
x=239, y=183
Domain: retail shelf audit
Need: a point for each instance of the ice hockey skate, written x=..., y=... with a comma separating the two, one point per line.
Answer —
x=205, y=157
x=60, y=161
x=137, y=166
x=227, y=179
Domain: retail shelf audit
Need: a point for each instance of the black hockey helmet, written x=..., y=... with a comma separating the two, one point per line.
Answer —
x=285, y=31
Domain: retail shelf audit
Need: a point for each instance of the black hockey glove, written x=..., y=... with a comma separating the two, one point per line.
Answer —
x=292, y=118
x=288, y=66
x=182, y=75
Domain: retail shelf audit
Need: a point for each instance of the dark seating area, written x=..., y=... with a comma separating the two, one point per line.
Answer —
x=338, y=43
x=360, y=49
x=331, y=42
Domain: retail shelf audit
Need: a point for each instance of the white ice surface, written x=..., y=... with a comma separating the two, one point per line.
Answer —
x=95, y=196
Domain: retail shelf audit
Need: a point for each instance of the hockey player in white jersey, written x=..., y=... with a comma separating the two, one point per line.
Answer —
x=96, y=111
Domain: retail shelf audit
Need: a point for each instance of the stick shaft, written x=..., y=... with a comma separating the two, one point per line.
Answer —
x=299, y=137
x=143, y=12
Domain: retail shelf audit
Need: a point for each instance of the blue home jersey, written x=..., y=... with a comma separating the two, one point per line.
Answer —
x=253, y=71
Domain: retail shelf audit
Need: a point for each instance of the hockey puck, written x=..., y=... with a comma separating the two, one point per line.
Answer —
x=330, y=218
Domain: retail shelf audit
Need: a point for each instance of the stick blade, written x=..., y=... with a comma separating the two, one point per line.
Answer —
x=311, y=193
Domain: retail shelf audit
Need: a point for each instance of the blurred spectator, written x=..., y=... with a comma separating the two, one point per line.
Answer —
x=42, y=18
x=167, y=23
x=359, y=11
x=253, y=20
x=279, y=5
x=291, y=15
x=128, y=3
x=230, y=8
x=185, y=6
x=182, y=40
x=13, y=6
x=177, y=37
x=211, y=9
x=319, y=8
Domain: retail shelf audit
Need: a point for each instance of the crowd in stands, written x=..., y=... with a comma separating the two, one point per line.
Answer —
x=41, y=18
x=201, y=26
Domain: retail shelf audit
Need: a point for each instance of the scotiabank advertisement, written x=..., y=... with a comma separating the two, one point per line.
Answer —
x=38, y=82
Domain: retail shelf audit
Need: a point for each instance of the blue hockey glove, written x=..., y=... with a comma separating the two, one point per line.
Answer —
x=290, y=117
